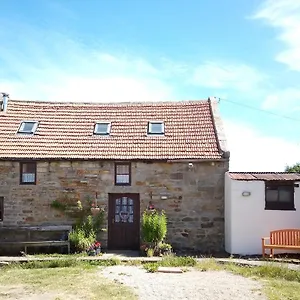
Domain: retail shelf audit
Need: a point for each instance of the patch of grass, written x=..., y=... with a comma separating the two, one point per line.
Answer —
x=151, y=267
x=280, y=283
x=171, y=261
x=62, y=263
x=208, y=265
x=134, y=262
x=74, y=283
x=178, y=261
x=267, y=271
x=282, y=290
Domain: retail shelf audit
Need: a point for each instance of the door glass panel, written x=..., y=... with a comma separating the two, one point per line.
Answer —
x=124, y=210
x=117, y=218
x=131, y=209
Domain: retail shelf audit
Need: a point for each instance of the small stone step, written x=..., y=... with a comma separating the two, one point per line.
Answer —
x=169, y=270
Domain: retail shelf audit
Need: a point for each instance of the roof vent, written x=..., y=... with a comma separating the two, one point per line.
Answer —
x=4, y=101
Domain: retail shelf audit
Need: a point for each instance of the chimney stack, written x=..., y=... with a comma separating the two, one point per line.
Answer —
x=4, y=101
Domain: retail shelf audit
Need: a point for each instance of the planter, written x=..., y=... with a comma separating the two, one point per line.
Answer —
x=95, y=210
x=166, y=252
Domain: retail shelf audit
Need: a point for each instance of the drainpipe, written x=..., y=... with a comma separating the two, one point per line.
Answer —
x=5, y=98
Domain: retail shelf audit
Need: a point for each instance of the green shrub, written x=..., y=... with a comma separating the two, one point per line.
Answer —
x=81, y=239
x=154, y=227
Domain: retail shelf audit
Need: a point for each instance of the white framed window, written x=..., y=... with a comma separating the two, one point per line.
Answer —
x=28, y=173
x=156, y=127
x=28, y=127
x=102, y=128
x=123, y=173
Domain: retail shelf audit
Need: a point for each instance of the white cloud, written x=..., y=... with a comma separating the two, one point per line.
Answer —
x=252, y=151
x=284, y=15
x=83, y=75
x=223, y=75
x=285, y=100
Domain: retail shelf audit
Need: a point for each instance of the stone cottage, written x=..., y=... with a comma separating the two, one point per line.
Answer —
x=125, y=156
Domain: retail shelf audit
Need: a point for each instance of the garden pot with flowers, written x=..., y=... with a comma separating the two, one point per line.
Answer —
x=94, y=249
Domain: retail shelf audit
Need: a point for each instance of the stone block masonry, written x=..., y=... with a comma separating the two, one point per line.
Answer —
x=192, y=197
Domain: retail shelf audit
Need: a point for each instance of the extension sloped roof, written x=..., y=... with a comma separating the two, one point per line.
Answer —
x=65, y=131
x=264, y=176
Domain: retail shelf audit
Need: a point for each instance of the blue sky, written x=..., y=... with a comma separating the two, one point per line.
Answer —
x=131, y=50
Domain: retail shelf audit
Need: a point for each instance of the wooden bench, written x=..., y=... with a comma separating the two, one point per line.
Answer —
x=288, y=239
x=40, y=243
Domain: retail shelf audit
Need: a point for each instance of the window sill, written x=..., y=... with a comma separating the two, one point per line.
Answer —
x=122, y=184
x=282, y=208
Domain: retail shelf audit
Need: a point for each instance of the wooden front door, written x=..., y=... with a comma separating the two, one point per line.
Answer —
x=124, y=221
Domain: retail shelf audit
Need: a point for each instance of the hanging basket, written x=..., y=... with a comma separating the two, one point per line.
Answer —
x=95, y=210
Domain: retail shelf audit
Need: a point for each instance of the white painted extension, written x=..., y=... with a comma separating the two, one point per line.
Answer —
x=247, y=220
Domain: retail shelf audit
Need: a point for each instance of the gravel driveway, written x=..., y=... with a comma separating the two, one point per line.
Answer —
x=210, y=285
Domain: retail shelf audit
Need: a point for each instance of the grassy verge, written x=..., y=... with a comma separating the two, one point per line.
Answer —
x=60, y=283
x=280, y=282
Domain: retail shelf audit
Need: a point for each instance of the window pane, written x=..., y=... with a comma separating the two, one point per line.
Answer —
x=28, y=177
x=124, y=200
x=29, y=168
x=130, y=209
x=122, y=178
x=122, y=169
x=102, y=127
x=285, y=195
x=27, y=126
x=271, y=195
x=156, y=127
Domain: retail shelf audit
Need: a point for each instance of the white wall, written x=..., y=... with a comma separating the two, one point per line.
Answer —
x=248, y=220
x=227, y=214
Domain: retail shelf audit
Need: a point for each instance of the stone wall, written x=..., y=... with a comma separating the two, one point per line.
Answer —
x=193, y=198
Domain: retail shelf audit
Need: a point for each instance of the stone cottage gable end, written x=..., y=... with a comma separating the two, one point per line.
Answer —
x=181, y=170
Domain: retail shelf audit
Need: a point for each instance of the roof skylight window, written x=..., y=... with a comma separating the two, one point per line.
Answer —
x=102, y=128
x=156, y=127
x=28, y=127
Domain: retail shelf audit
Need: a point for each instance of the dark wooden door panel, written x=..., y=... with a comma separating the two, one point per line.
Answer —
x=123, y=221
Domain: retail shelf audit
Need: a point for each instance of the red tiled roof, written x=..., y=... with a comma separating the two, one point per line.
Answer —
x=65, y=131
x=264, y=176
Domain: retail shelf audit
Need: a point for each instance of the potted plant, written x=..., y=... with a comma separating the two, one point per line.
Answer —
x=94, y=249
x=165, y=248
